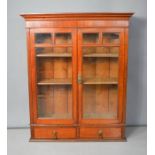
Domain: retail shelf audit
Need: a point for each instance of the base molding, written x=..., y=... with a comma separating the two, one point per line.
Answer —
x=78, y=140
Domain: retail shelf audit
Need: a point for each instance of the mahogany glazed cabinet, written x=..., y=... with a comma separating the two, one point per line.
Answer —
x=77, y=68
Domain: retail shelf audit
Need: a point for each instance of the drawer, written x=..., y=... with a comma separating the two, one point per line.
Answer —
x=54, y=133
x=99, y=133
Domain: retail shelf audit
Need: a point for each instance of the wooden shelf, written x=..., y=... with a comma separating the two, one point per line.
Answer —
x=98, y=115
x=100, y=45
x=55, y=82
x=43, y=45
x=54, y=55
x=101, y=81
x=56, y=116
x=111, y=55
x=53, y=45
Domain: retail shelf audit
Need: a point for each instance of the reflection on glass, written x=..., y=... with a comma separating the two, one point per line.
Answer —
x=90, y=38
x=43, y=38
x=55, y=101
x=111, y=38
x=63, y=38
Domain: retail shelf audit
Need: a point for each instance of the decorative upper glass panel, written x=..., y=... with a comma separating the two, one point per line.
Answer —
x=63, y=38
x=111, y=38
x=41, y=38
x=90, y=38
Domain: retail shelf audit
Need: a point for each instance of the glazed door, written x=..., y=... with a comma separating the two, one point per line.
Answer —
x=100, y=75
x=53, y=55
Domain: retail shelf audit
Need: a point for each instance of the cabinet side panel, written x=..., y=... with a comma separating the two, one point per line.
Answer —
x=29, y=78
x=29, y=74
x=125, y=72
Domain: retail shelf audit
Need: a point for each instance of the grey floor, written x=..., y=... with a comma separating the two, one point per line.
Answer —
x=18, y=144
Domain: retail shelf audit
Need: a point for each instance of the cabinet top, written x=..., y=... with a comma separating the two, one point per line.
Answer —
x=99, y=15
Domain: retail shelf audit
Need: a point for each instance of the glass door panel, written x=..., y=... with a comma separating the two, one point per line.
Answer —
x=54, y=78
x=54, y=87
x=99, y=73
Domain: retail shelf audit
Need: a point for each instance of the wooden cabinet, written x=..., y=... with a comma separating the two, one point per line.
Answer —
x=77, y=68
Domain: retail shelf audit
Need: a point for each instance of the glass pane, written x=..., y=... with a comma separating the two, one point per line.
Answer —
x=42, y=50
x=100, y=81
x=90, y=38
x=55, y=102
x=43, y=38
x=100, y=50
x=54, y=82
x=54, y=69
x=100, y=69
x=111, y=38
x=100, y=101
x=63, y=38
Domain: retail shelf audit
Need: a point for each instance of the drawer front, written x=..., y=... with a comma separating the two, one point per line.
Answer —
x=54, y=133
x=100, y=133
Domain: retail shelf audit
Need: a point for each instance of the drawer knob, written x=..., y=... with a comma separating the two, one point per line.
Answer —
x=54, y=134
x=100, y=133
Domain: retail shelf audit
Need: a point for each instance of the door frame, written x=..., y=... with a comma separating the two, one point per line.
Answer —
x=33, y=76
x=121, y=75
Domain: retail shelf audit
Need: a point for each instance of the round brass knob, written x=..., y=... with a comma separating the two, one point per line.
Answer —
x=100, y=133
x=54, y=134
